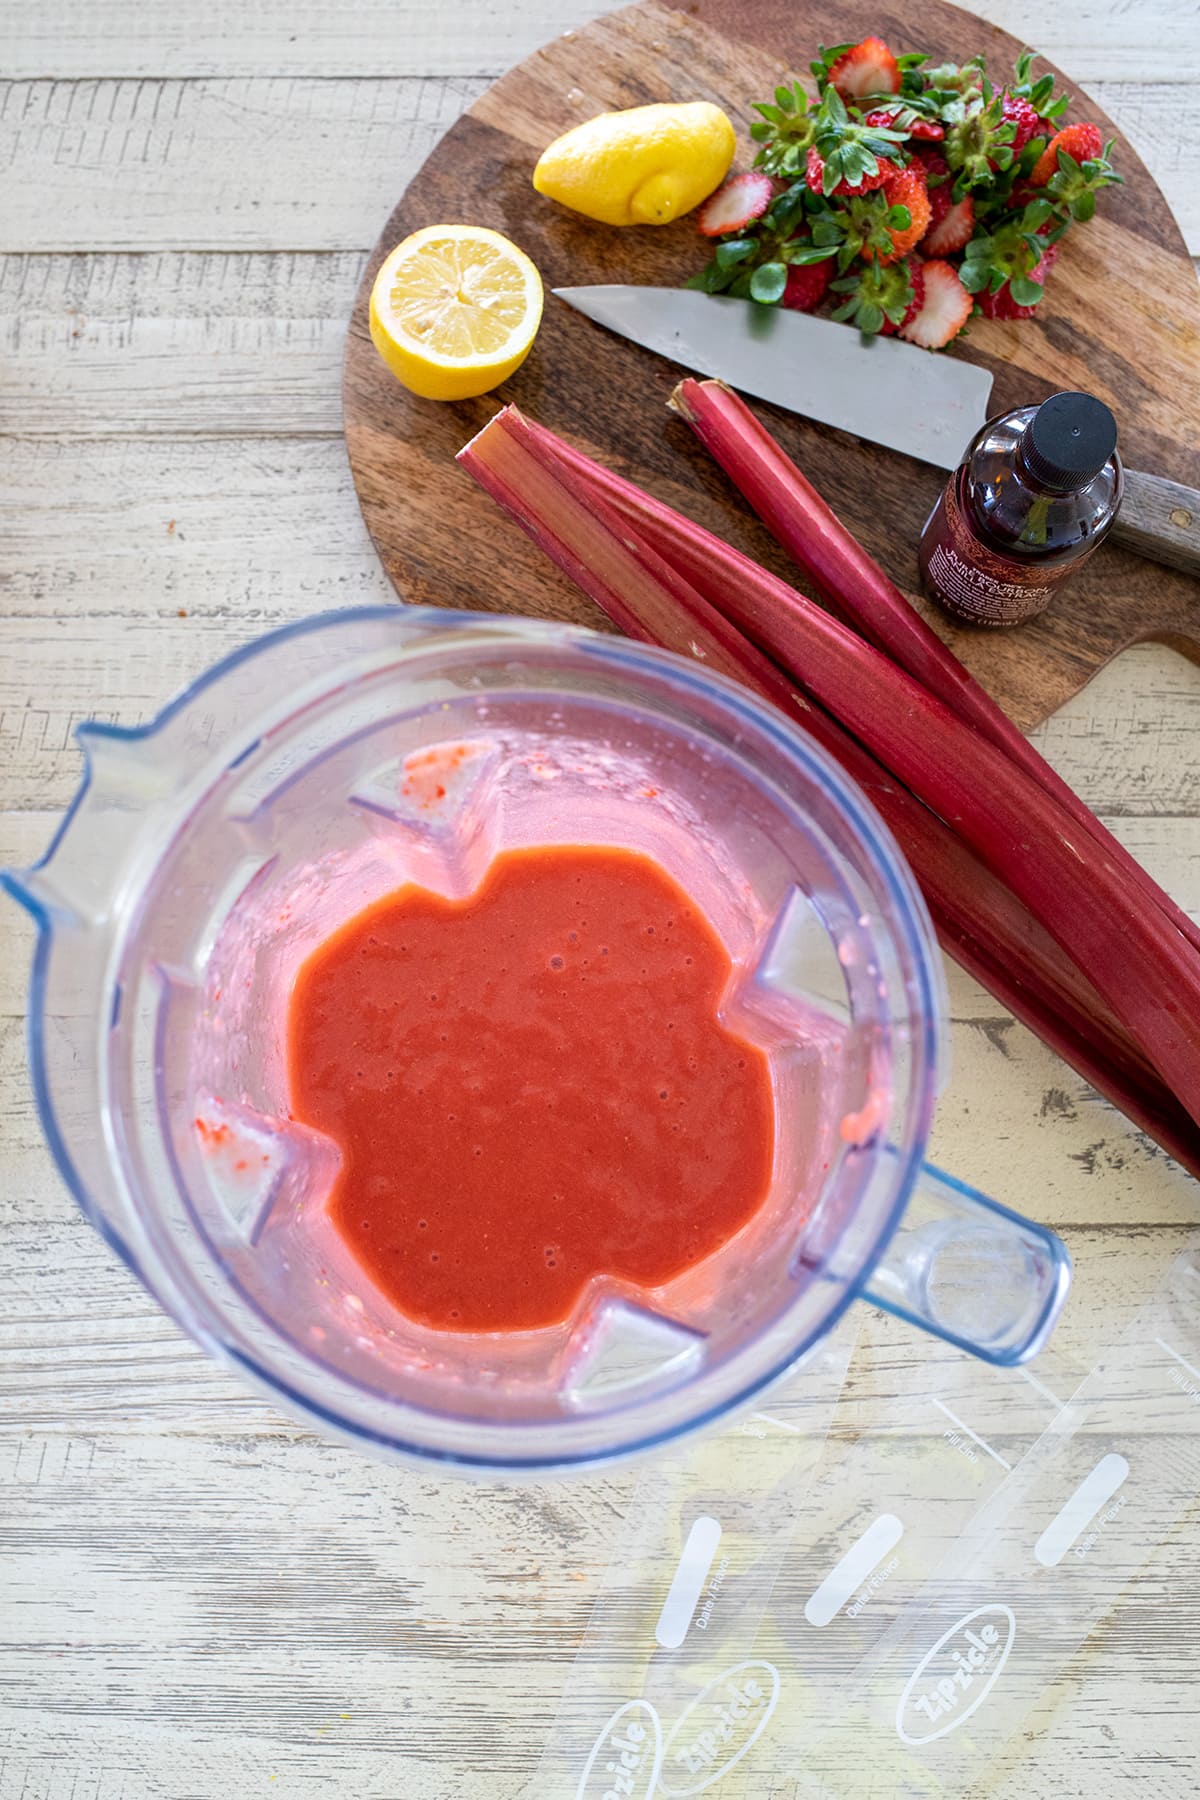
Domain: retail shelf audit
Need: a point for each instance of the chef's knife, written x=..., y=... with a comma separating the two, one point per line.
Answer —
x=893, y=393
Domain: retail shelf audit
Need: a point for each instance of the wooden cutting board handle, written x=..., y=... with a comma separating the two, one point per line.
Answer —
x=1160, y=519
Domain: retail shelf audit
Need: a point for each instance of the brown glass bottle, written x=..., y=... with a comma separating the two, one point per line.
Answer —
x=1035, y=494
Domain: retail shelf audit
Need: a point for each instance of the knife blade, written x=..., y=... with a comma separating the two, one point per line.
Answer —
x=879, y=388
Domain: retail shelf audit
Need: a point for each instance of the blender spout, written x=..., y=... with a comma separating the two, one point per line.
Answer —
x=131, y=766
x=34, y=889
x=125, y=783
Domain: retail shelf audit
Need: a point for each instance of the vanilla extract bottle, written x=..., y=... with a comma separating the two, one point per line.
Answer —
x=1034, y=496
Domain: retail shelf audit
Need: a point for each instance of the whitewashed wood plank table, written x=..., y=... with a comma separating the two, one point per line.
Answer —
x=197, y=1598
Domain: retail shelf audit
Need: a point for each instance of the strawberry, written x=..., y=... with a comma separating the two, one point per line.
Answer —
x=906, y=188
x=944, y=310
x=866, y=68
x=953, y=224
x=806, y=285
x=939, y=182
x=902, y=118
x=815, y=177
x=1024, y=120
x=989, y=138
x=1003, y=257
x=1001, y=304
x=941, y=206
x=914, y=268
x=1083, y=142
x=1073, y=168
x=1023, y=192
x=742, y=199
x=880, y=298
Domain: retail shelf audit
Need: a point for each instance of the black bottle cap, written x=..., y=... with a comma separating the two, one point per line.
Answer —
x=1068, y=441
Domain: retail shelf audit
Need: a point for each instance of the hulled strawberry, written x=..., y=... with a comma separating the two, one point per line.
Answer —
x=908, y=211
x=742, y=199
x=952, y=225
x=1080, y=142
x=1024, y=119
x=881, y=297
x=807, y=284
x=864, y=69
x=1005, y=304
x=940, y=186
x=944, y=310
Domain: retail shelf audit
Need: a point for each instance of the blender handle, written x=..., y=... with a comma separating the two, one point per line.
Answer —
x=969, y=1270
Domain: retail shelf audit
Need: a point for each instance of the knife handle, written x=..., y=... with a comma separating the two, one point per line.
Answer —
x=1160, y=519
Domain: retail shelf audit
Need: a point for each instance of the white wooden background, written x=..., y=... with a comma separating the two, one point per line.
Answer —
x=198, y=1599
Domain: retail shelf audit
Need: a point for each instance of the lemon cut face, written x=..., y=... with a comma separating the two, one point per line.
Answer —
x=455, y=310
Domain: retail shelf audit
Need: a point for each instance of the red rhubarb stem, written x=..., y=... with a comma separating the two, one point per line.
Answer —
x=978, y=921
x=1130, y=952
x=840, y=569
x=710, y=564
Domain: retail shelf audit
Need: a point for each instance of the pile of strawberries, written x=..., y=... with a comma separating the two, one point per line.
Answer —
x=908, y=197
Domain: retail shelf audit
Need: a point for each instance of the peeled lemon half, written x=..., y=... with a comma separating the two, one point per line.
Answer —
x=645, y=166
x=455, y=310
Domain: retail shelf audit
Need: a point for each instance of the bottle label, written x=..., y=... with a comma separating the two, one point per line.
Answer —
x=974, y=582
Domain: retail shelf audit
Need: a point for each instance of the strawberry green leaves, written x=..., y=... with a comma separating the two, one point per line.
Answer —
x=784, y=130
x=1040, y=93
x=1076, y=184
x=1024, y=290
x=849, y=150
x=1011, y=251
x=875, y=297
x=768, y=282
x=896, y=163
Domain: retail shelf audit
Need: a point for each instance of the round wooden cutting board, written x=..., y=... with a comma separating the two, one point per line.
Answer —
x=1121, y=318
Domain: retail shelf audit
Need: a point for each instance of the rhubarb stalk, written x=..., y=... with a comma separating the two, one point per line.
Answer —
x=1133, y=954
x=977, y=918
x=855, y=585
x=710, y=564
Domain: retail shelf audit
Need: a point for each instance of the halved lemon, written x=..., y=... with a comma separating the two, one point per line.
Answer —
x=455, y=310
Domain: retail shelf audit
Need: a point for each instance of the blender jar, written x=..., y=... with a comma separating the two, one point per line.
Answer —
x=332, y=762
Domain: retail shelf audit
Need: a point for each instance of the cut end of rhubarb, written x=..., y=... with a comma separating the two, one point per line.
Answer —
x=680, y=401
x=506, y=412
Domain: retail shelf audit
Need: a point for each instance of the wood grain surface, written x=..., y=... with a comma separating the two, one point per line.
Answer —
x=1121, y=318
x=199, y=1600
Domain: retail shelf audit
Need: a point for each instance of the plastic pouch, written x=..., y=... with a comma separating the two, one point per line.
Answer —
x=684, y=1595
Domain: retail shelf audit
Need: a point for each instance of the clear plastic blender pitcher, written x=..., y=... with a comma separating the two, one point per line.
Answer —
x=327, y=764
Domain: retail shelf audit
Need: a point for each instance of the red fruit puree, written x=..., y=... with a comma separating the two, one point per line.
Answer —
x=529, y=1087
